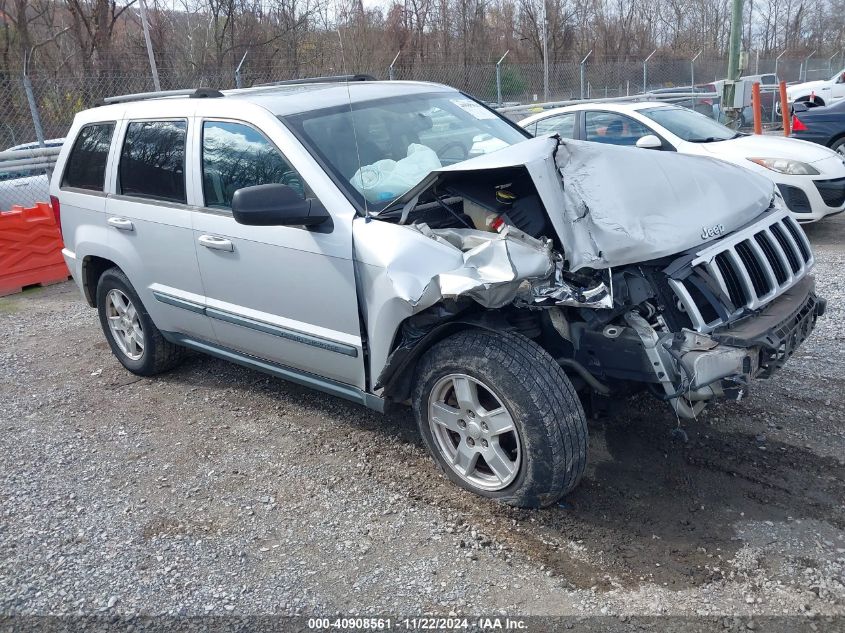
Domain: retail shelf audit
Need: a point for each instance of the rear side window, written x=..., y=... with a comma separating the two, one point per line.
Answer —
x=562, y=124
x=86, y=165
x=152, y=161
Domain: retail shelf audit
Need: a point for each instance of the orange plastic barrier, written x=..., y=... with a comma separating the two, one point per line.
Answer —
x=30, y=248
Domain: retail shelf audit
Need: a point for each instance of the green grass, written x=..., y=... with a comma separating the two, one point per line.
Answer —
x=13, y=303
x=8, y=305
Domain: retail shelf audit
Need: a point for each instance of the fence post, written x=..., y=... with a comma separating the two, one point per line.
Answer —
x=33, y=106
x=830, y=63
x=777, y=60
x=584, y=74
x=392, y=64
x=545, y=54
x=807, y=64
x=692, y=78
x=238, y=71
x=499, y=77
x=645, y=70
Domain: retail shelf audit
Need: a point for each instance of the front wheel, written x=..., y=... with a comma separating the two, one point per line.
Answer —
x=501, y=418
x=839, y=147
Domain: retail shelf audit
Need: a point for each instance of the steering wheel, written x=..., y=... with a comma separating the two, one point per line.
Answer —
x=450, y=145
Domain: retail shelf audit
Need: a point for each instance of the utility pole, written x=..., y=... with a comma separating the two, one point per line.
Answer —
x=545, y=55
x=149, y=44
x=732, y=114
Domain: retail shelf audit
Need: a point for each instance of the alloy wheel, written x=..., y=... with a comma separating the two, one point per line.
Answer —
x=474, y=432
x=124, y=324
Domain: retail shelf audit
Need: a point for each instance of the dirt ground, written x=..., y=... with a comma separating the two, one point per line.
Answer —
x=215, y=490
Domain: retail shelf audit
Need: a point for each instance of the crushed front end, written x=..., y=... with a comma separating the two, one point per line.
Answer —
x=605, y=262
x=703, y=324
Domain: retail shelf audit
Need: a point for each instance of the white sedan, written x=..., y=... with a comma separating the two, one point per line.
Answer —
x=810, y=177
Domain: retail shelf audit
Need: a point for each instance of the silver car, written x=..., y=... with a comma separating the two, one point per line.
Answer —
x=401, y=242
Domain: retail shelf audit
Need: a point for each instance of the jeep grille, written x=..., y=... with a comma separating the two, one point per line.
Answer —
x=743, y=271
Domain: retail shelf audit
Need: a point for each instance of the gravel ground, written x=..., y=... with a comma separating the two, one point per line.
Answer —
x=216, y=490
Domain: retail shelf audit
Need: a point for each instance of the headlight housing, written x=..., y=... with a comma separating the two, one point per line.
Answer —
x=787, y=166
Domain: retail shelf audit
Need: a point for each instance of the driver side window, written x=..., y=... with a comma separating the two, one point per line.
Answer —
x=234, y=156
x=613, y=128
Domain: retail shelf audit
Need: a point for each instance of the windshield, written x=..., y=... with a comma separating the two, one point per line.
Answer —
x=400, y=140
x=689, y=125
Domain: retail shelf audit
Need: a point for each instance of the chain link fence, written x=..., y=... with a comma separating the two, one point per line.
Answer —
x=56, y=99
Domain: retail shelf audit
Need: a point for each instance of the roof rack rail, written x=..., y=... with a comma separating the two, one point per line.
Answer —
x=193, y=93
x=335, y=79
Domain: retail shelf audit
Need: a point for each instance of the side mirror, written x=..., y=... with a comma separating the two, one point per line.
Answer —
x=649, y=141
x=276, y=205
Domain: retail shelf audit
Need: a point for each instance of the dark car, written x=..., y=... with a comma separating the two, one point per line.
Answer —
x=822, y=125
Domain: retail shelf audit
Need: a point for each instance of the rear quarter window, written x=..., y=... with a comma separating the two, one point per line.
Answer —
x=86, y=164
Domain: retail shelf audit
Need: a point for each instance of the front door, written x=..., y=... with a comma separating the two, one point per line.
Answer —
x=283, y=294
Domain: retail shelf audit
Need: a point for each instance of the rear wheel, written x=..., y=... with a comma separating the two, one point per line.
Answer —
x=501, y=418
x=133, y=337
x=839, y=146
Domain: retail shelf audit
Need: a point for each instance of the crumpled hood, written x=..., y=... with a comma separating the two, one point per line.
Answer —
x=625, y=205
x=612, y=205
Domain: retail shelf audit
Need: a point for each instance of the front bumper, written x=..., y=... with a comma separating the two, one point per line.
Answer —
x=694, y=367
x=811, y=199
x=779, y=328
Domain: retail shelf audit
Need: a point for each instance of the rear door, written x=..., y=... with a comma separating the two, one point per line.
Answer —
x=561, y=124
x=150, y=224
x=283, y=294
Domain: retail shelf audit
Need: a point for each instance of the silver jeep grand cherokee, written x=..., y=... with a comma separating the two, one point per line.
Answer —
x=401, y=242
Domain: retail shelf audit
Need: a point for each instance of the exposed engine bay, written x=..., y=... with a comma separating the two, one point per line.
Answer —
x=626, y=289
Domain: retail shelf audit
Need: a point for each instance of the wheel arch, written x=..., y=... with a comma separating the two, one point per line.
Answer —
x=93, y=268
x=835, y=138
x=815, y=98
x=398, y=373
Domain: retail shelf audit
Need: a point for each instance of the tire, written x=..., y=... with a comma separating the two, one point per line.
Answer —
x=838, y=146
x=515, y=382
x=150, y=354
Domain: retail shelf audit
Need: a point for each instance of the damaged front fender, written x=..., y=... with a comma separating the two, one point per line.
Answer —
x=404, y=270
